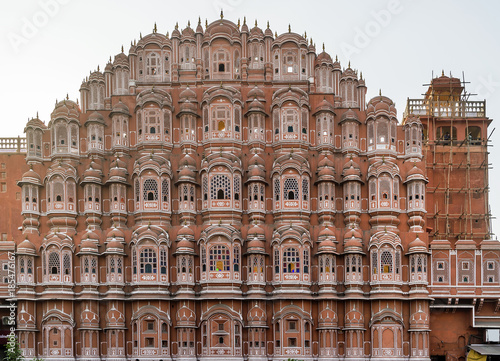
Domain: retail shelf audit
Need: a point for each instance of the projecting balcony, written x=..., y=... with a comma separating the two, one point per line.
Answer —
x=445, y=109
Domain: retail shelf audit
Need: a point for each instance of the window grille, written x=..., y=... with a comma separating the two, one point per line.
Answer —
x=165, y=190
x=67, y=264
x=148, y=260
x=150, y=190
x=386, y=262
x=219, y=258
x=277, y=188
x=306, y=261
x=220, y=187
x=236, y=258
x=291, y=261
x=290, y=189
x=277, y=261
x=163, y=261
x=305, y=189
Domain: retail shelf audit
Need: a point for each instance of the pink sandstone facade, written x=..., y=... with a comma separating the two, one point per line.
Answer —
x=227, y=193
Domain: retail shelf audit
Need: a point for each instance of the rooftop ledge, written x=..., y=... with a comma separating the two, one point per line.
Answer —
x=445, y=109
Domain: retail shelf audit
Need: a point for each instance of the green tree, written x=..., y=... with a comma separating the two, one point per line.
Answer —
x=12, y=351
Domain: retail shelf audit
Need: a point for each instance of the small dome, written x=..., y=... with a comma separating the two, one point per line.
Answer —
x=35, y=123
x=88, y=245
x=417, y=246
x=186, y=174
x=120, y=60
x=95, y=117
x=256, y=160
x=89, y=234
x=26, y=247
x=185, y=243
x=187, y=160
x=324, y=106
x=96, y=76
x=325, y=161
x=326, y=233
x=256, y=33
x=327, y=246
x=66, y=109
x=115, y=233
x=187, y=93
x=187, y=33
x=255, y=231
x=256, y=105
x=324, y=57
x=185, y=231
x=30, y=177
x=255, y=246
x=120, y=108
x=256, y=92
x=349, y=115
x=114, y=246
x=256, y=173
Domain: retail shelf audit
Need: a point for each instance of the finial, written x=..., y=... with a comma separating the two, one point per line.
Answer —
x=140, y=35
x=275, y=34
x=380, y=92
x=168, y=34
x=311, y=41
x=349, y=65
x=189, y=23
x=221, y=13
x=361, y=75
x=305, y=34
x=67, y=96
x=110, y=55
x=122, y=49
x=238, y=23
x=199, y=20
x=176, y=25
x=244, y=20
x=98, y=68
x=336, y=58
x=442, y=72
x=155, y=29
x=134, y=42
x=255, y=22
x=206, y=23
x=289, y=28
x=323, y=46
x=37, y=114
x=268, y=24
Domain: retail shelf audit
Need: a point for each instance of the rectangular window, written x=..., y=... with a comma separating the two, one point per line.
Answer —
x=465, y=265
x=3, y=187
x=150, y=342
x=292, y=326
x=3, y=175
x=4, y=236
x=3, y=166
x=292, y=342
x=150, y=325
x=440, y=265
x=18, y=195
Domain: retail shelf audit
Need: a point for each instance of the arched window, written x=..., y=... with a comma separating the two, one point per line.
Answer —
x=221, y=62
x=153, y=64
x=147, y=259
x=120, y=131
x=220, y=258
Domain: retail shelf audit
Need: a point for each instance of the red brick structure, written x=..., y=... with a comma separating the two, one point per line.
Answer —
x=227, y=193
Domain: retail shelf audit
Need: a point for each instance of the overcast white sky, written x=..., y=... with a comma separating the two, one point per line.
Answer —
x=49, y=46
